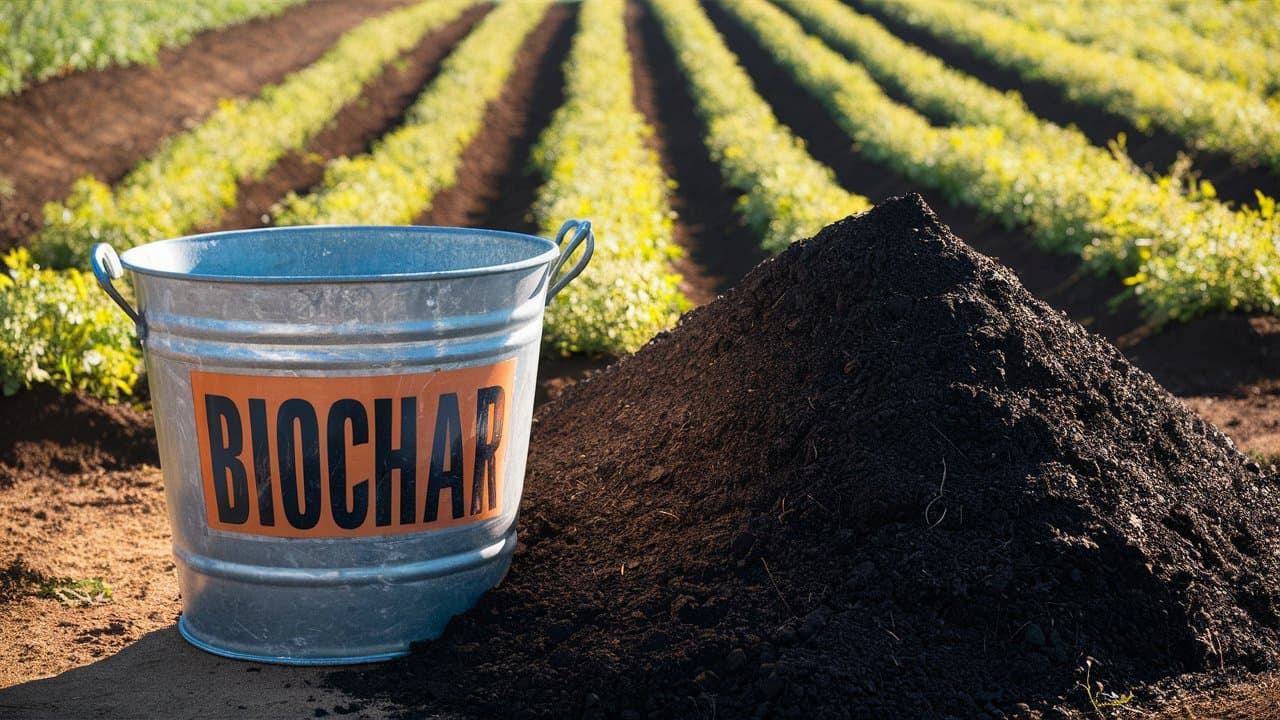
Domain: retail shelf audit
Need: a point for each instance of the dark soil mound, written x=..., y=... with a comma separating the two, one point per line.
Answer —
x=42, y=430
x=878, y=480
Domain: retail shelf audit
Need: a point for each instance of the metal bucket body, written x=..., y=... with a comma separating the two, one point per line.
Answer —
x=343, y=417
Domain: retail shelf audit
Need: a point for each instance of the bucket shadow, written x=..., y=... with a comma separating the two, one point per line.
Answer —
x=162, y=676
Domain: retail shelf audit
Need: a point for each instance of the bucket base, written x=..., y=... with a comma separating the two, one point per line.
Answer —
x=278, y=660
x=327, y=616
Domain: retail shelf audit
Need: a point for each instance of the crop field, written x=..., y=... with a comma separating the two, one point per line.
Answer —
x=1121, y=160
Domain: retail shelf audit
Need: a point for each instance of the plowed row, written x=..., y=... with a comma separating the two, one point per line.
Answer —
x=103, y=123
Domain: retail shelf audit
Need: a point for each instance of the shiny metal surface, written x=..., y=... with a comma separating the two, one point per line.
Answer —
x=326, y=302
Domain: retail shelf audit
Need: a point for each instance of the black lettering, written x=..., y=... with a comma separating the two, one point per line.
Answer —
x=448, y=433
x=261, y=461
x=296, y=411
x=405, y=459
x=488, y=404
x=224, y=457
x=343, y=412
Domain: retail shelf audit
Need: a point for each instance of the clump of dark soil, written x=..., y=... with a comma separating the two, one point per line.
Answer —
x=878, y=479
x=18, y=579
x=42, y=430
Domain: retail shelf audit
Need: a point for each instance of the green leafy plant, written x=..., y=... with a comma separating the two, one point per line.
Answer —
x=1183, y=252
x=1229, y=21
x=596, y=165
x=1214, y=114
x=193, y=177
x=59, y=328
x=1166, y=36
x=76, y=593
x=1100, y=700
x=400, y=177
x=787, y=194
x=44, y=38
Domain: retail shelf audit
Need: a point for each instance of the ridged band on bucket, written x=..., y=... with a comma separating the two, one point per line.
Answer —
x=343, y=418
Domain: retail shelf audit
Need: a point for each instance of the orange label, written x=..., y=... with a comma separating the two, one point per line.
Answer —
x=328, y=457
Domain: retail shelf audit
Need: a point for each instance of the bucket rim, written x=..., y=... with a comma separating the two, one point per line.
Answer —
x=549, y=254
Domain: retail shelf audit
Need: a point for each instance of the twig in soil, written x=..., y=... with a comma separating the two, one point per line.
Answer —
x=942, y=487
x=1018, y=630
x=953, y=445
x=783, y=511
x=776, y=589
x=814, y=500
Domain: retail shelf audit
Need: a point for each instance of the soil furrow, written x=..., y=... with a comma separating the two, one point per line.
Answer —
x=829, y=143
x=104, y=122
x=496, y=186
x=1221, y=354
x=720, y=251
x=379, y=109
x=1155, y=149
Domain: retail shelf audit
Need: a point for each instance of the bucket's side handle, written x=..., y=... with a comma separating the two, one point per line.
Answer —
x=107, y=268
x=581, y=233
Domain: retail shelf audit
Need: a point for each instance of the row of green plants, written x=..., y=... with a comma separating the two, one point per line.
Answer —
x=400, y=177
x=192, y=179
x=1213, y=114
x=597, y=166
x=59, y=328
x=1183, y=254
x=787, y=193
x=1151, y=31
x=944, y=94
x=56, y=326
x=1106, y=175
x=1227, y=20
x=44, y=38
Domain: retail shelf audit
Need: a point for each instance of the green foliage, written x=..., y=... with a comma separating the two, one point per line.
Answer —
x=932, y=87
x=1228, y=21
x=76, y=593
x=1100, y=700
x=788, y=194
x=1215, y=114
x=60, y=328
x=1072, y=196
x=597, y=167
x=193, y=178
x=43, y=38
x=399, y=179
x=1153, y=31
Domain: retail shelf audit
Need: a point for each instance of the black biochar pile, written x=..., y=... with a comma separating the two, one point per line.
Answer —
x=878, y=479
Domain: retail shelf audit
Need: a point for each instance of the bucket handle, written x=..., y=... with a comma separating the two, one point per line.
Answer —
x=582, y=234
x=107, y=268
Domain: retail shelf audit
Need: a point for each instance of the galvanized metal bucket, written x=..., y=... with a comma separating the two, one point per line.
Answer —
x=343, y=417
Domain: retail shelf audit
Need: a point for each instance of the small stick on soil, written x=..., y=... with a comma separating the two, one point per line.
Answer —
x=953, y=445
x=776, y=589
x=942, y=487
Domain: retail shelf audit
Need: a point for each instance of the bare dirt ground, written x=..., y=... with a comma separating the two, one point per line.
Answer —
x=76, y=506
x=122, y=658
x=104, y=122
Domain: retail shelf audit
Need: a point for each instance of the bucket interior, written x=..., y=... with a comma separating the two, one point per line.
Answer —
x=301, y=254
